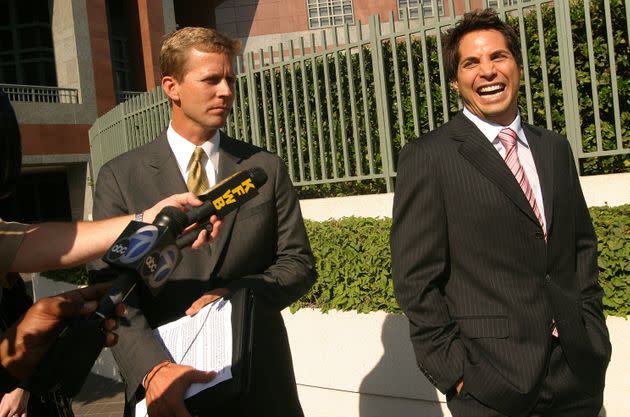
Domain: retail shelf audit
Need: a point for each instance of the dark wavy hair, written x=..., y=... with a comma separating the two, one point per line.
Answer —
x=10, y=147
x=487, y=19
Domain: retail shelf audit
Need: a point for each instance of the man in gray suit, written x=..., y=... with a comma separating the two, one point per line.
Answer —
x=263, y=245
x=494, y=255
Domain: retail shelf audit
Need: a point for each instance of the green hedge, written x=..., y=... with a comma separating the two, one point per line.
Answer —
x=354, y=263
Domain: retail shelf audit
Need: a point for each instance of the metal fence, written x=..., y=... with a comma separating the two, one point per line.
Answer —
x=40, y=94
x=339, y=108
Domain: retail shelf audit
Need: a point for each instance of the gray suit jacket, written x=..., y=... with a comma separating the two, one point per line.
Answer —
x=475, y=277
x=262, y=245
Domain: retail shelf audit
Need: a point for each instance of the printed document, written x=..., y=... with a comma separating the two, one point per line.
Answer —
x=203, y=341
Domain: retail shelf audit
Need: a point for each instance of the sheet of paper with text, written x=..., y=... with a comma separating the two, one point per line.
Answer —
x=203, y=341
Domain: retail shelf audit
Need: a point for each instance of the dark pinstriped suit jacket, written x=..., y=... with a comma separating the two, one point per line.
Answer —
x=262, y=245
x=474, y=276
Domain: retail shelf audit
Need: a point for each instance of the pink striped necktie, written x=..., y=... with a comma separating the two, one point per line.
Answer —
x=508, y=138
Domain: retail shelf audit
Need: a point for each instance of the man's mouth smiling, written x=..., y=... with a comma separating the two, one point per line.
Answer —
x=491, y=89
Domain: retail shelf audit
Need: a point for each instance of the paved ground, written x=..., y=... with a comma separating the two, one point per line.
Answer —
x=99, y=397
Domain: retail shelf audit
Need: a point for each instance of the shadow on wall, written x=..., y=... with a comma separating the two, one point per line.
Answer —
x=395, y=386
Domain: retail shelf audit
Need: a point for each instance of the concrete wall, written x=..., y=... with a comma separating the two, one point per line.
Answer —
x=362, y=365
x=599, y=190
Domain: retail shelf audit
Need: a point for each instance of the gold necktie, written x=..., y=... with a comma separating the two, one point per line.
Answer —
x=197, y=179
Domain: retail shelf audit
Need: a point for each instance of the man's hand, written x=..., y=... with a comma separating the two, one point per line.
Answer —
x=166, y=384
x=183, y=202
x=14, y=403
x=24, y=344
x=206, y=299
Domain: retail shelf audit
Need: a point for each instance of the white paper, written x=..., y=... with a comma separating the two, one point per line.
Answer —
x=203, y=341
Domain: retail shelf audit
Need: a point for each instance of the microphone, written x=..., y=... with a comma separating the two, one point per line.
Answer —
x=149, y=251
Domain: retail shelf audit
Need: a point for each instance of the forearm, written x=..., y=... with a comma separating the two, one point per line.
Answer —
x=54, y=245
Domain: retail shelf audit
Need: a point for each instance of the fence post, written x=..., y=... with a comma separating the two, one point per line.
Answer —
x=569, y=82
x=381, y=100
x=253, y=100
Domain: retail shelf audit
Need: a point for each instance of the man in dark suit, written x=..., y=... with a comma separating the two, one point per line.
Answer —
x=263, y=245
x=493, y=251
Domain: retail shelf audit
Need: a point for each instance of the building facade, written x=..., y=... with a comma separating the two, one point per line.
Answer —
x=64, y=63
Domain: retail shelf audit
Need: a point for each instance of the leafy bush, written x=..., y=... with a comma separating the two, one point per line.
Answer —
x=354, y=263
x=613, y=230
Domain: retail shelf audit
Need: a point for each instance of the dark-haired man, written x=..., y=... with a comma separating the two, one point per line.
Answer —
x=494, y=254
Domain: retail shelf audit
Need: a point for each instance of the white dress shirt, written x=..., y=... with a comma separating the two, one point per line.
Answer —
x=491, y=131
x=183, y=151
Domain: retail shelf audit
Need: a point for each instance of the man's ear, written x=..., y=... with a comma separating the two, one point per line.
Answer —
x=171, y=87
x=455, y=86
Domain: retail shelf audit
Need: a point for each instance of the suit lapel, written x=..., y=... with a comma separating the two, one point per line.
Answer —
x=228, y=164
x=478, y=150
x=163, y=167
x=542, y=152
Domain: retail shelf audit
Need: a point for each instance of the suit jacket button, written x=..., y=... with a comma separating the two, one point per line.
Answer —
x=547, y=277
x=540, y=235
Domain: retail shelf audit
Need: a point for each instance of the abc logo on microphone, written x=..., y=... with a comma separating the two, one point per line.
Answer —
x=158, y=266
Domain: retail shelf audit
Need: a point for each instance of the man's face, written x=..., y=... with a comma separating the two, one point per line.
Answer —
x=488, y=77
x=203, y=98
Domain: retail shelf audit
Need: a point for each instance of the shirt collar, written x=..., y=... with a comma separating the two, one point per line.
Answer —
x=491, y=130
x=183, y=148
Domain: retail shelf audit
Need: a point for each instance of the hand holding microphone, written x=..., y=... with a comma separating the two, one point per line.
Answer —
x=150, y=251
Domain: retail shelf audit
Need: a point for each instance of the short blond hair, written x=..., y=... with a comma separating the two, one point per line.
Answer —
x=175, y=46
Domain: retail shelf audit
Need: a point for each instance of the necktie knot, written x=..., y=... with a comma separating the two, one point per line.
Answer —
x=197, y=155
x=507, y=137
x=197, y=179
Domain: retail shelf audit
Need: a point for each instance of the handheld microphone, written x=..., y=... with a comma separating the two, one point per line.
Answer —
x=149, y=251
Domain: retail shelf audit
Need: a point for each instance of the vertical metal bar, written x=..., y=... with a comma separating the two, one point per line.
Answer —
x=274, y=100
x=613, y=71
x=285, y=112
x=528, y=84
x=353, y=105
x=331, y=131
x=543, y=66
x=366, y=111
x=252, y=97
x=318, y=108
x=397, y=90
x=569, y=83
x=341, y=107
x=427, y=77
x=265, y=99
x=593, y=75
x=296, y=111
x=412, y=78
x=382, y=106
x=241, y=91
x=307, y=110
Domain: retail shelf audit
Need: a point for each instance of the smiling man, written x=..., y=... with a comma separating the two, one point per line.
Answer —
x=494, y=255
x=263, y=244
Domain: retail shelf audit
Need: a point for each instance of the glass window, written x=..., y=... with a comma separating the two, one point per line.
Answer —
x=412, y=7
x=322, y=13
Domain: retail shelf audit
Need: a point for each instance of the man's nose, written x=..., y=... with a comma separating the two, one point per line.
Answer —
x=487, y=68
x=225, y=88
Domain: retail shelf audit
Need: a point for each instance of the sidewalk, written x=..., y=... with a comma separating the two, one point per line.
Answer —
x=100, y=397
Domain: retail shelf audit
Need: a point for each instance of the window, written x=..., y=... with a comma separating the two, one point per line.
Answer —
x=495, y=3
x=323, y=13
x=26, y=47
x=413, y=8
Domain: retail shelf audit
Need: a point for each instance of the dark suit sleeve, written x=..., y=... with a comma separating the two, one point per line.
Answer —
x=586, y=268
x=137, y=350
x=420, y=256
x=292, y=273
